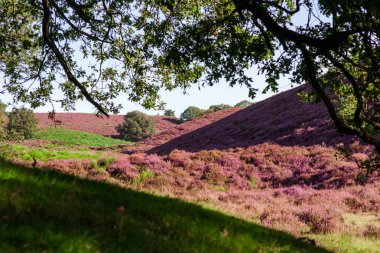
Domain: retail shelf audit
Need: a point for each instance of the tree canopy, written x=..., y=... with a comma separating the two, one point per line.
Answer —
x=97, y=49
x=137, y=126
x=191, y=112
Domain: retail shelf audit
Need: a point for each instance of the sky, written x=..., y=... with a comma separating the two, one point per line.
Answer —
x=220, y=93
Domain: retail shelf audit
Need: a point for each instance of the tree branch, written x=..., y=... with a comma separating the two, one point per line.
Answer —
x=61, y=60
x=62, y=14
x=330, y=42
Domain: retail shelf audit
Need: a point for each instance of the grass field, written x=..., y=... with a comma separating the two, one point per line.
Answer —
x=72, y=137
x=44, y=211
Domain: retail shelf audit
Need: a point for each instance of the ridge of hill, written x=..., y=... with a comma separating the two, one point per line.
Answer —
x=89, y=122
x=282, y=119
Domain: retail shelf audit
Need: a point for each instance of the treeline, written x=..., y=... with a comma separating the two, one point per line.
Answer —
x=193, y=112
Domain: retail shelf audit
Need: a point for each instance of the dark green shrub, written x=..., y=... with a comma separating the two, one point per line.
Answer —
x=215, y=108
x=136, y=127
x=243, y=103
x=22, y=124
x=191, y=113
x=169, y=113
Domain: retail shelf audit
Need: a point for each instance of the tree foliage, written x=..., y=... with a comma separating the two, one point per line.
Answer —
x=219, y=107
x=243, y=103
x=137, y=47
x=22, y=124
x=191, y=113
x=169, y=113
x=136, y=126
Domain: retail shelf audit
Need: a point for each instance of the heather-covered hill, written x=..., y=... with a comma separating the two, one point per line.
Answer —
x=281, y=119
x=88, y=122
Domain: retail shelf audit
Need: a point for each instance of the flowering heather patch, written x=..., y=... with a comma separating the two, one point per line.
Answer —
x=260, y=166
x=79, y=167
x=179, y=158
x=157, y=164
x=321, y=220
x=122, y=168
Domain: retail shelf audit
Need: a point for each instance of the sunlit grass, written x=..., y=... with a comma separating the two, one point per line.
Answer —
x=72, y=137
x=48, y=153
x=343, y=243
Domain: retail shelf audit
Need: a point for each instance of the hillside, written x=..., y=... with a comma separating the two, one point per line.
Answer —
x=89, y=122
x=282, y=119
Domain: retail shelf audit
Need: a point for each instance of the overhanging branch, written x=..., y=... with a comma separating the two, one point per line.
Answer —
x=61, y=59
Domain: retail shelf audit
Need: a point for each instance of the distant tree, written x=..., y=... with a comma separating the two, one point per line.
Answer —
x=191, y=113
x=22, y=124
x=136, y=126
x=243, y=103
x=3, y=120
x=219, y=107
x=169, y=113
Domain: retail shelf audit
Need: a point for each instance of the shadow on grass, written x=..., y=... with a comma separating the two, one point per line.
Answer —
x=45, y=211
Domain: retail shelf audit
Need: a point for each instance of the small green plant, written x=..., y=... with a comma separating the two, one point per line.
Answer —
x=144, y=174
x=252, y=183
x=136, y=127
x=242, y=127
x=102, y=163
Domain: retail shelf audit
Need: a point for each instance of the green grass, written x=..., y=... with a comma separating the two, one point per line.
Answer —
x=71, y=137
x=45, y=211
x=348, y=243
x=47, y=153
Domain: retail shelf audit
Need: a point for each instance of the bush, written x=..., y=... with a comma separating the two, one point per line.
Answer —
x=136, y=127
x=243, y=103
x=215, y=108
x=22, y=124
x=191, y=113
x=169, y=113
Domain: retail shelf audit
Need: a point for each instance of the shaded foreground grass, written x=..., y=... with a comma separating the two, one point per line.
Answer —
x=73, y=137
x=52, y=212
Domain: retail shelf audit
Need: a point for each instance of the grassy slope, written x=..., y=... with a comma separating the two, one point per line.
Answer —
x=72, y=137
x=52, y=212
